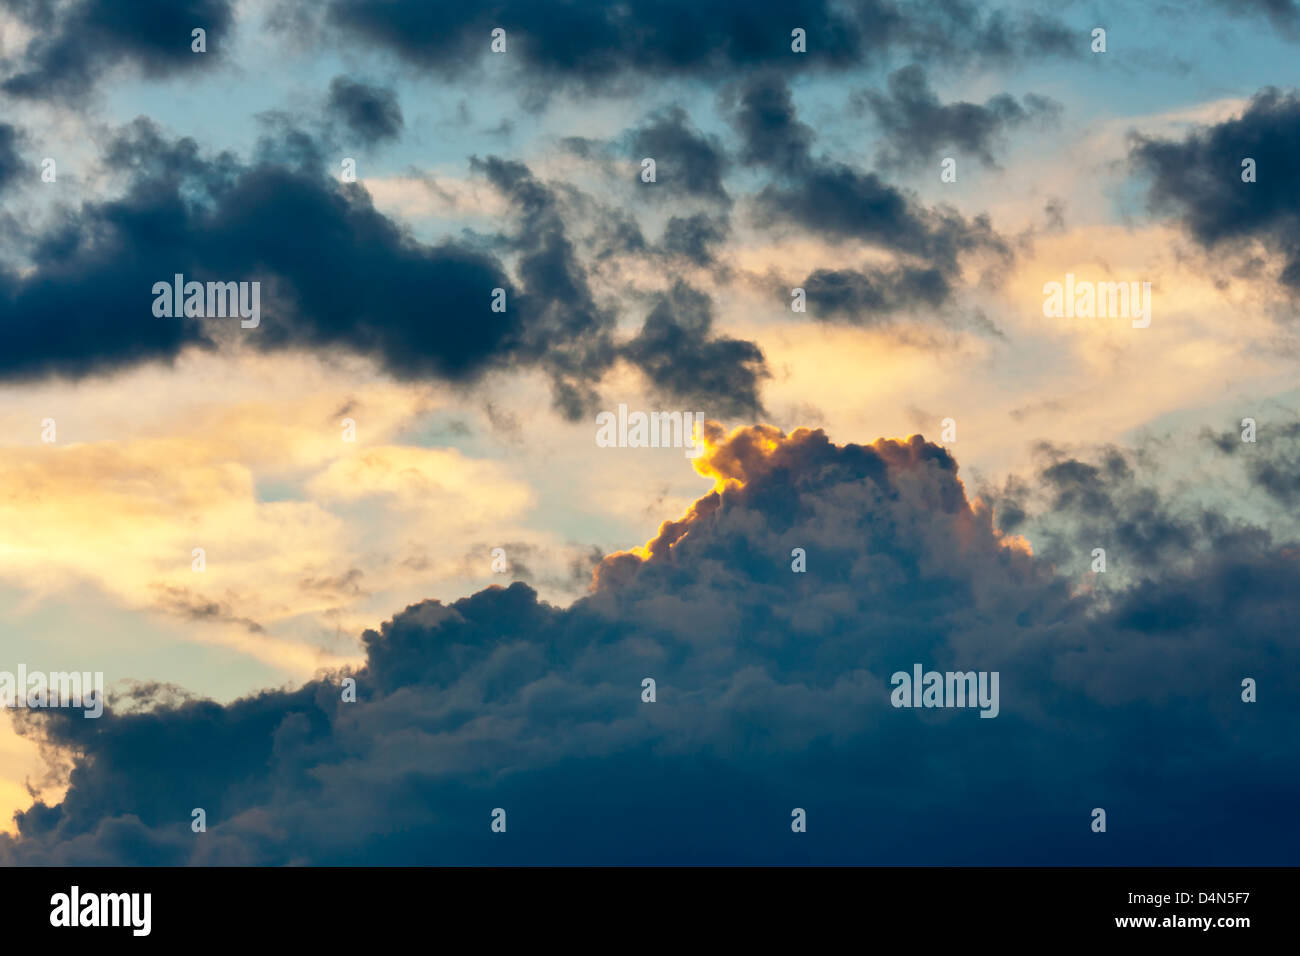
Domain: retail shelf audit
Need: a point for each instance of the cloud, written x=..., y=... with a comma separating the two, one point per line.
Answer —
x=687, y=163
x=446, y=197
x=237, y=458
x=842, y=204
x=1274, y=467
x=76, y=43
x=835, y=199
x=772, y=693
x=684, y=360
x=424, y=311
x=1110, y=502
x=917, y=126
x=86, y=305
x=1199, y=180
x=871, y=296
x=568, y=331
x=11, y=164
x=593, y=45
x=369, y=112
x=424, y=482
x=695, y=237
x=1284, y=15
x=770, y=131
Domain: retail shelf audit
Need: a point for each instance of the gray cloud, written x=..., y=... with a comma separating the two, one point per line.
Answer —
x=75, y=43
x=687, y=362
x=369, y=112
x=917, y=126
x=1199, y=180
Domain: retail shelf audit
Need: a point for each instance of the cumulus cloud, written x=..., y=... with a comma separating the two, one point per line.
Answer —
x=772, y=693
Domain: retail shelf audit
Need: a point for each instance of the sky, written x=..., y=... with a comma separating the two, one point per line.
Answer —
x=840, y=265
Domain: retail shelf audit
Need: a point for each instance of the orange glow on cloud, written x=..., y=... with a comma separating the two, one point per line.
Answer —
x=734, y=459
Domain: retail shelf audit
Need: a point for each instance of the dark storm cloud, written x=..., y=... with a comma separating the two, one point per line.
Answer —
x=594, y=43
x=74, y=43
x=369, y=112
x=917, y=126
x=839, y=201
x=87, y=306
x=1199, y=179
x=687, y=363
x=772, y=693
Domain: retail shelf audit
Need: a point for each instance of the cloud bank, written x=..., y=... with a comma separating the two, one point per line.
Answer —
x=772, y=693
